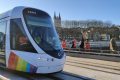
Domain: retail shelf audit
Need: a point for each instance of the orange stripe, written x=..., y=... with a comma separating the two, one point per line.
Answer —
x=16, y=61
x=11, y=60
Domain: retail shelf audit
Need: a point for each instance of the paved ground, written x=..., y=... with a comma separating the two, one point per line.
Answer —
x=10, y=75
x=5, y=75
x=92, y=68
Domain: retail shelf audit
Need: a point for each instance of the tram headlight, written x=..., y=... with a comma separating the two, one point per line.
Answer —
x=46, y=59
x=43, y=59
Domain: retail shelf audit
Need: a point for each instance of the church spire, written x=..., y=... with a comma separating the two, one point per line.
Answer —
x=59, y=16
x=54, y=15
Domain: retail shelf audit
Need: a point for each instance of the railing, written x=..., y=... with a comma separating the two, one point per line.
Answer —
x=92, y=51
x=101, y=45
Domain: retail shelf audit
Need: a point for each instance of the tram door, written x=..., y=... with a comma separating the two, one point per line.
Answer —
x=3, y=26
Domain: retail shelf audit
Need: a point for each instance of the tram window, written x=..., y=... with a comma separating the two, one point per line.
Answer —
x=18, y=38
x=2, y=36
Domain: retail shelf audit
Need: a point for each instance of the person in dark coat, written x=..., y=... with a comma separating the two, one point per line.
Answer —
x=82, y=43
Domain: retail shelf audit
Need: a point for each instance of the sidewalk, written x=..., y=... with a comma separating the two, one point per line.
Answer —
x=92, y=68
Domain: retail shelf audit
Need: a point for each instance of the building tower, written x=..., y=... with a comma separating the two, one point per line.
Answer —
x=57, y=23
x=57, y=20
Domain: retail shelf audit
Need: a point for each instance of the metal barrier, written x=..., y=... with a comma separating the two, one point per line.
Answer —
x=92, y=51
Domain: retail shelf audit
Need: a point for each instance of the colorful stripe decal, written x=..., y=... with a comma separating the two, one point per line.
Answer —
x=17, y=63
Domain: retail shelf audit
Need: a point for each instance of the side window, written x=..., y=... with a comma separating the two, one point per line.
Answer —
x=2, y=36
x=18, y=38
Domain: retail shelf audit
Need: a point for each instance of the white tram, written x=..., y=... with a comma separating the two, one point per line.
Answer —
x=29, y=42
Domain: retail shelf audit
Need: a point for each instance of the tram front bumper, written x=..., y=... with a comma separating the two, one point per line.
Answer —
x=50, y=69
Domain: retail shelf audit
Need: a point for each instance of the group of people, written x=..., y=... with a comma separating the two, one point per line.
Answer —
x=85, y=45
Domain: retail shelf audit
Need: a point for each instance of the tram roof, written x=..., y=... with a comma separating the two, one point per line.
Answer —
x=15, y=12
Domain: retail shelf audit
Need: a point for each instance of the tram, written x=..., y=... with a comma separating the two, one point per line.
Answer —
x=29, y=42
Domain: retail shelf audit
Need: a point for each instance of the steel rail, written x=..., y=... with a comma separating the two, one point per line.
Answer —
x=54, y=76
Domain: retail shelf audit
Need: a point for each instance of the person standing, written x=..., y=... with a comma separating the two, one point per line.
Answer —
x=82, y=43
x=63, y=43
x=74, y=43
x=87, y=45
x=113, y=45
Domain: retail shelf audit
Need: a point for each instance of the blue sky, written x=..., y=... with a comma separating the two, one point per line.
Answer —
x=105, y=10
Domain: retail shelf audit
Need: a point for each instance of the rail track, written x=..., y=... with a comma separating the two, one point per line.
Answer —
x=112, y=68
x=106, y=66
x=55, y=76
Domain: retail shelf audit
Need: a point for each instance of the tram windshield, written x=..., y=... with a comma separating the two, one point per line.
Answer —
x=43, y=32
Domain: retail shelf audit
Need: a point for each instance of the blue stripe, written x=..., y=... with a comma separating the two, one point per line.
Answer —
x=28, y=67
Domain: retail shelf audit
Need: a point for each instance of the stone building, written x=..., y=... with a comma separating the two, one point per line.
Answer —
x=57, y=20
x=57, y=23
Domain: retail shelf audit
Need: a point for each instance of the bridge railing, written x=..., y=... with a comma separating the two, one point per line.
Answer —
x=92, y=51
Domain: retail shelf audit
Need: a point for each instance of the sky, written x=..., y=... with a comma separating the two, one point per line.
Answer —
x=105, y=10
